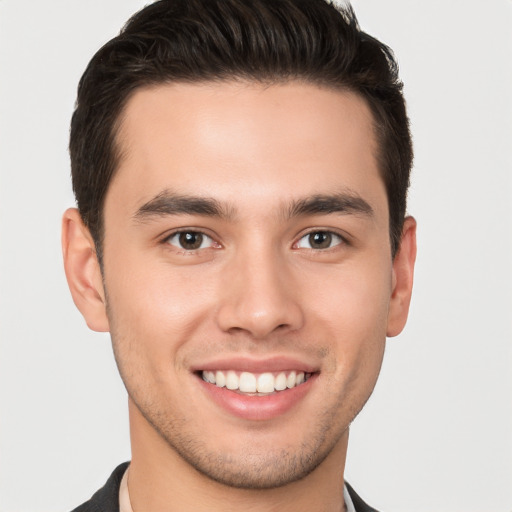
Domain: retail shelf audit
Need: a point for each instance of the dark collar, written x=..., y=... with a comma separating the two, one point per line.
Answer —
x=359, y=504
x=107, y=498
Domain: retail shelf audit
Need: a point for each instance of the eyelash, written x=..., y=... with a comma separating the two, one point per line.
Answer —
x=196, y=233
x=331, y=237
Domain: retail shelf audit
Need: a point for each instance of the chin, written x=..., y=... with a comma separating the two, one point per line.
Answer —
x=256, y=471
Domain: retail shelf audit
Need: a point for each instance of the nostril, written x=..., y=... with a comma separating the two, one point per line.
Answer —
x=236, y=330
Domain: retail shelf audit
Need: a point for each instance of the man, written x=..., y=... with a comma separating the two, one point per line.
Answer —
x=241, y=171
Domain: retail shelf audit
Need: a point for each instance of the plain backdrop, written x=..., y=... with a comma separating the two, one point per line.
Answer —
x=437, y=433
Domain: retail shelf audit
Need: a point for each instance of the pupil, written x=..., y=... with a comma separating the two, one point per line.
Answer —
x=191, y=240
x=320, y=240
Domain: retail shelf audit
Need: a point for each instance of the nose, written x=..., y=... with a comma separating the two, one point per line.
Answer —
x=259, y=297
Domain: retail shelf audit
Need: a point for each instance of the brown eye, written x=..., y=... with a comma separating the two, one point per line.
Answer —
x=319, y=240
x=190, y=240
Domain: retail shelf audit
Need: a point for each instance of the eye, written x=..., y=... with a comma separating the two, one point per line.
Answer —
x=319, y=240
x=190, y=240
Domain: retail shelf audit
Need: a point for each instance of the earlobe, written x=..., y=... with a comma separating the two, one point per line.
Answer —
x=403, y=275
x=83, y=271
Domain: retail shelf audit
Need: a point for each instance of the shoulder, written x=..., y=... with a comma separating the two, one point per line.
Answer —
x=359, y=504
x=107, y=498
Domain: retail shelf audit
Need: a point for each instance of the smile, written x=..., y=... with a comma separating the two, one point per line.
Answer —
x=255, y=383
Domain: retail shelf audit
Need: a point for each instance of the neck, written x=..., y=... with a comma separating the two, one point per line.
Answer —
x=160, y=480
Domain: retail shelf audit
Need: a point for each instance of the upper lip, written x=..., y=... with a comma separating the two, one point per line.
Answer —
x=252, y=365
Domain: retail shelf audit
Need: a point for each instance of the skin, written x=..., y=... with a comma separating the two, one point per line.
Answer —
x=255, y=289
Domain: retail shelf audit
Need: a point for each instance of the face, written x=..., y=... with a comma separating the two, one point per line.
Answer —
x=247, y=274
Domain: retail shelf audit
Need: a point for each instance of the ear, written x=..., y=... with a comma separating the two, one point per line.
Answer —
x=403, y=274
x=83, y=271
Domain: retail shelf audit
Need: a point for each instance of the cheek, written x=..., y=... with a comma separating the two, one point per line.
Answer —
x=353, y=308
x=154, y=311
x=354, y=297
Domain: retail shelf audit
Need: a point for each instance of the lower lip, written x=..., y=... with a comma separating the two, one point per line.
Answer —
x=257, y=408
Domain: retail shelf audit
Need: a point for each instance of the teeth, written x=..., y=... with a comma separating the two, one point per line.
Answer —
x=265, y=383
x=231, y=380
x=291, y=380
x=220, y=379
x=247, y=382
x=280, y=382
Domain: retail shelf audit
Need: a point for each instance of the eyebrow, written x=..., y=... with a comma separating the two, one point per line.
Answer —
x=323, y=204
x=170, y=203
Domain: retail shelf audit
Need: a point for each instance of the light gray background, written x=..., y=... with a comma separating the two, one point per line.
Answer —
x=437, y=433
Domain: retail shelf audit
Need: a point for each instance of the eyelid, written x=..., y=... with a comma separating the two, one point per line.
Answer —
x=168, y=236
x=342, y=239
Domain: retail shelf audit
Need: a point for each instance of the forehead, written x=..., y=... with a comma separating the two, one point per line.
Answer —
x=234, y=140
